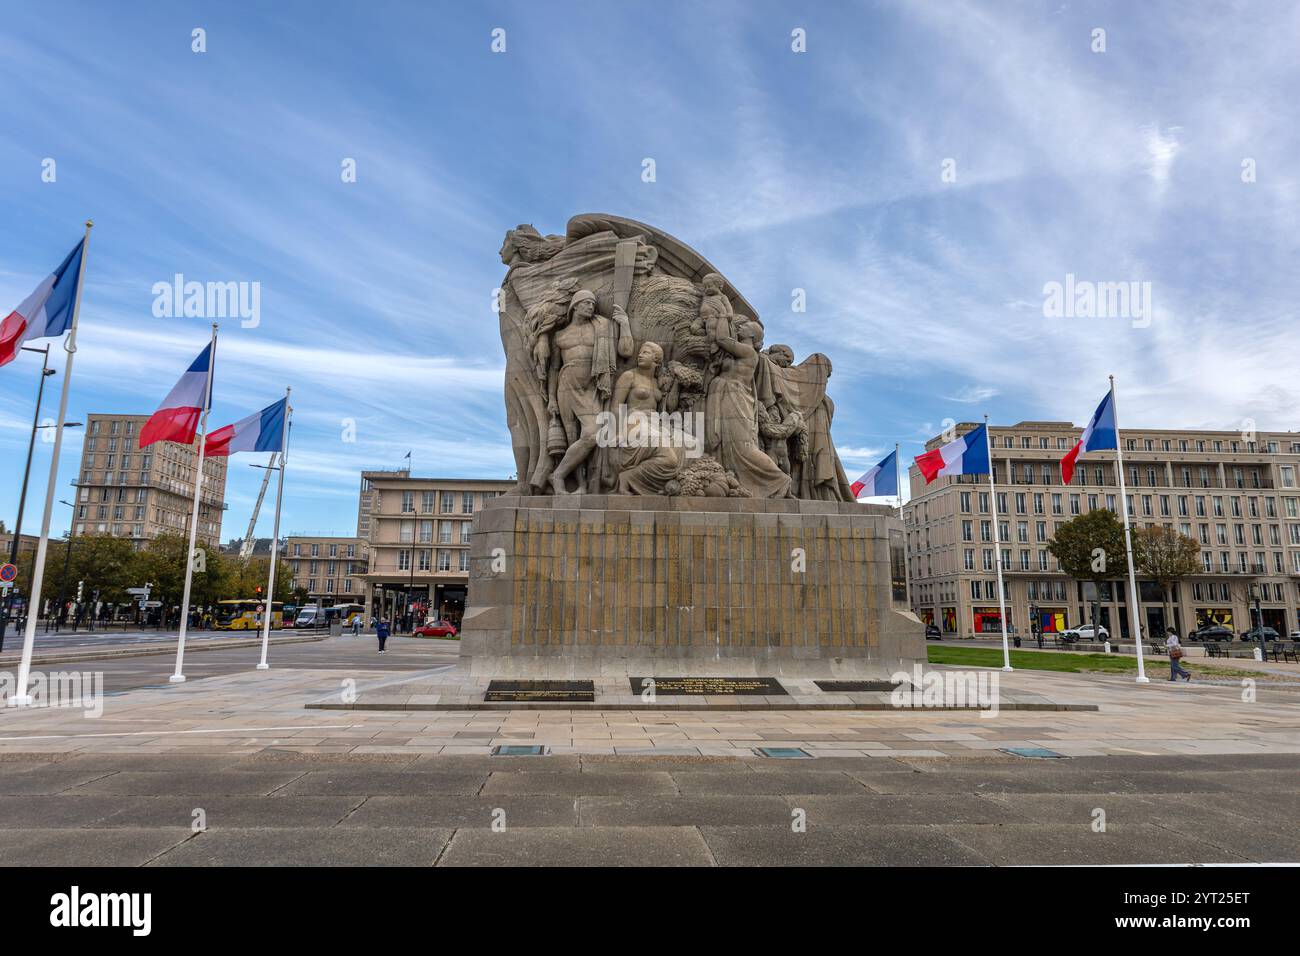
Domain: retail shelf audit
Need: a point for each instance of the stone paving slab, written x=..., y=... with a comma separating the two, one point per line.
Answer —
x=133, y=846
x=1043, y=844
x=838, y=846
x=314, y=846
x=562, y=846
x=460, y=812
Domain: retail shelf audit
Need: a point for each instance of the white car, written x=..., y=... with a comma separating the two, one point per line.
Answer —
x=1086, y=632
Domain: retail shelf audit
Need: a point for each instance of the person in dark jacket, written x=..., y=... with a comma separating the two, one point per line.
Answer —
x=381, y=632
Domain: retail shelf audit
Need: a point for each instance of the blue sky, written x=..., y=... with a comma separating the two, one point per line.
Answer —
x=819, y=171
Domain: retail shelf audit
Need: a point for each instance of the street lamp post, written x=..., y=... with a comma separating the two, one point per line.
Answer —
x=46, y=372
x=63, y=581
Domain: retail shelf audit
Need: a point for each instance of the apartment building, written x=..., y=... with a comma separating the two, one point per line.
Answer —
x=328, y=568
x=417, y=531
x=1236, y=494
x=130, y=492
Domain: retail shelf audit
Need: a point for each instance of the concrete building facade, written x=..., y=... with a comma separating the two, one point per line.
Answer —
x=129, y=492
x=417, y=531
x=328, y=568
x=1236, y=494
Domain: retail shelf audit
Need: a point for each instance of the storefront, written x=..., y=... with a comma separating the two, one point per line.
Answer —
x=950, y=620
x=1207, y=616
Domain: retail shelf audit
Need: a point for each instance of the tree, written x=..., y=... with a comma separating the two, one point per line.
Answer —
x=1166, y=557
x=1090, y=547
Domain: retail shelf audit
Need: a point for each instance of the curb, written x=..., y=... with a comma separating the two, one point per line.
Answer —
x=150, y=650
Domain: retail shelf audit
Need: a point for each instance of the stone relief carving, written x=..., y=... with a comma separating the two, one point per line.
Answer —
x=634, y=367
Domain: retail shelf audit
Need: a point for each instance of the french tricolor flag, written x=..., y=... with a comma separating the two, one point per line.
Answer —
x=177, y=418
x=968, y=455
x=881, y=481
x=1098, y=436
x=261, y=431
x=47, y=311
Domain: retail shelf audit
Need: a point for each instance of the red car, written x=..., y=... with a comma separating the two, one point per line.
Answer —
x=436, y=629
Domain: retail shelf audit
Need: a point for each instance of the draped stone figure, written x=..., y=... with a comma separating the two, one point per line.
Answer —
x=731, y=418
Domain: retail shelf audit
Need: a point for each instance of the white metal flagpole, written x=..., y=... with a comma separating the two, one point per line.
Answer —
x=275, y=535
x=997, y=550
x=907, y=560
x=1134, y=629
x=21, y=698
x=179, y=676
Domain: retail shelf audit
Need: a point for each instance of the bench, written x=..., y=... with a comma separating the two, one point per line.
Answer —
x=1282, y=652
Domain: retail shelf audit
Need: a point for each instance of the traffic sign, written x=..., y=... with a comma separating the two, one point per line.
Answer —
x=151, y=603
x=8, y=572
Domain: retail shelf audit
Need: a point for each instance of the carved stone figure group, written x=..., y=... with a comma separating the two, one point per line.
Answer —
x=626, y=375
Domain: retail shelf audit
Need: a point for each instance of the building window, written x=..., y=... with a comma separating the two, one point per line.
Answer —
x=446, y=503
x=426, y=502
x=467, y=502
x=408, y=502
x=404, y=560
x=444, y=560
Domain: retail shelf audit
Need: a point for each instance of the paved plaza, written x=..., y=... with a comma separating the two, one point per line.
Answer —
x=1183, y=773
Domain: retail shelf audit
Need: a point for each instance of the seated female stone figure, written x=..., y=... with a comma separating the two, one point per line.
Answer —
x=648, y=456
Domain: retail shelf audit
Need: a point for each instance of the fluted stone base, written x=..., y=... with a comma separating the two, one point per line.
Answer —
x=604, y=586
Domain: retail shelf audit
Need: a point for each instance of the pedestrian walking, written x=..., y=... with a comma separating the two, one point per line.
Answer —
x=356, y=626
x=381, y=632
x=1175, y=655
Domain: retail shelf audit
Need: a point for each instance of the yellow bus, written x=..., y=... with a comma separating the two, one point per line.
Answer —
x=244, y=616
x=346, y=614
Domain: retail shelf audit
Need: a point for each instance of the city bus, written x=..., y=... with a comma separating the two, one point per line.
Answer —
x=346, y=613
x=243, y=615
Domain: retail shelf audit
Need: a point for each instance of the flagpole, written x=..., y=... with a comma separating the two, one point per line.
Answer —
x=1134, y=628
x=21, y=698
x=907, y=560
x=179, y=676
x=275, y=535
x=997, y=550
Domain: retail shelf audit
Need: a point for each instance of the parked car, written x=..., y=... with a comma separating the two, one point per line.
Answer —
x=932, y=632
x=1253, y=634
x=1295, y=635
x=1212, y=632
x=436, y=629
x=1085, y=632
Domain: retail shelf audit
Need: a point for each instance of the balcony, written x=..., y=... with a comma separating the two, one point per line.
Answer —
x=212, y=501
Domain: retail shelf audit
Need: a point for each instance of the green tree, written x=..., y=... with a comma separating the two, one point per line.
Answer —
x=1091, y=547
x=1166, y=557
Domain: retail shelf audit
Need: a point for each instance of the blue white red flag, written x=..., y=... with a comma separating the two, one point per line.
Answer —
x=177, y=418
x=261, y=431
x=968, y=455
x=1098, y=436
x=881, y=481
x=47, y=311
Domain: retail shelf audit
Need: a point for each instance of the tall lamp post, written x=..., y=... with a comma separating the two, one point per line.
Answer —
x=46, y=372
x=67, y=560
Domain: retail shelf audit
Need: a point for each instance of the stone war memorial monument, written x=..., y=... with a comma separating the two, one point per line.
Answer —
x=681, y=513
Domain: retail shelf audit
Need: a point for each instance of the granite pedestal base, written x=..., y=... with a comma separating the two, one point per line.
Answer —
x=621, y=586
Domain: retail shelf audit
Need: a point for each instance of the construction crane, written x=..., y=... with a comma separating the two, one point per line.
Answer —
x=249, y=542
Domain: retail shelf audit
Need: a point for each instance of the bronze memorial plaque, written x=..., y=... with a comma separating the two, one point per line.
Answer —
x=540, y=691
x=857, y=686
x=673, y=686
